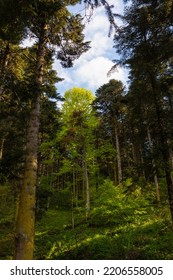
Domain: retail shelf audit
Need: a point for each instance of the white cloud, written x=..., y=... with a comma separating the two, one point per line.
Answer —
x=90, y=70
x=100, y=46
x=94, y=73
x=90, y=75
x=96, y=23
x=67, y=83
x=29, y=42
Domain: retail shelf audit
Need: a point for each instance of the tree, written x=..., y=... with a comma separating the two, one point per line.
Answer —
x=109, y=104
x=14, y=112
x=77, y=133
x=51, y=23
x=56, y=33
x=145, y=45
x=141, y=133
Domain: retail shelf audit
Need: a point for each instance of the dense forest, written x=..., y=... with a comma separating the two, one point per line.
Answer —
x=92, y=178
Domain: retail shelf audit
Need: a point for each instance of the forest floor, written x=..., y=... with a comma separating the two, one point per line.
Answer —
x=150, y=238
x=55, y=239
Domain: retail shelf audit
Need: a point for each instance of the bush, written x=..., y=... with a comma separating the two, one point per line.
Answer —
x=113, y=206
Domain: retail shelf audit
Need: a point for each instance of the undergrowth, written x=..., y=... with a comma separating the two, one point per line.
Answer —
x=117, y=228
x=151, y=239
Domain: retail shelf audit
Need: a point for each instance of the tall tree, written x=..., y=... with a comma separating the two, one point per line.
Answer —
x=79, y=123
x=142, y=132
x=52, y=25
x=109, y=103
x=145, y=44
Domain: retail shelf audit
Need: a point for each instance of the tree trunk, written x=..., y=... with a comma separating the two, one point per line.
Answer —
x=3, y=67
x=73, y=195
x=118, y=152
x=115, y=172
x=2, y=147
x=86, y=180
x=154, y=167
x=25, y=224
x=141, y=161
x=26, y=210
x=172, y=160
x=163, y=144
x=87, y=190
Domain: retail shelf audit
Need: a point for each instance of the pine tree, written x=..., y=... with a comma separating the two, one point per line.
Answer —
x=109, y=103
x=51, y=24
x=145, y=45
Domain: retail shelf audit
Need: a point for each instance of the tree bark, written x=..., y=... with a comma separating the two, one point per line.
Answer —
x=118, y=152
x=141, y=161
x=115, y=172
x=2, y=147
x=3, y=67
x=154, y=167
x=26, y=210
x=73, y=196
x=25, y=223
x=86, y=180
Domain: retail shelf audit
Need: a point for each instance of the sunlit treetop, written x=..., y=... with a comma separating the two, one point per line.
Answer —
x=77, y=99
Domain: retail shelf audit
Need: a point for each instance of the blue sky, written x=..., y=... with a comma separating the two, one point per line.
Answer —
x=90, y=70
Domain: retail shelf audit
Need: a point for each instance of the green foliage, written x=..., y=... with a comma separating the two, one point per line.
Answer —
x=114, y=207
x=145, y=44
x=77, y=99
x=144, y=240
x=150, y=237
x=76, y=147
x=61, y=199
x=7, y=213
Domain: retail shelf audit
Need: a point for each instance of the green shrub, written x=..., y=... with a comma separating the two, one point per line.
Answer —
x=113, y=206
